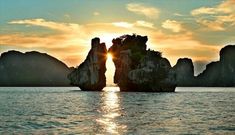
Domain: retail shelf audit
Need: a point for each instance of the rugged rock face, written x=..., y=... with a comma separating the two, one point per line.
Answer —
x=220, y=73
x=32, y=69
x=90, y=75
x=217, y=74
x=184, y=72
x=227, y=59
x=138, y=69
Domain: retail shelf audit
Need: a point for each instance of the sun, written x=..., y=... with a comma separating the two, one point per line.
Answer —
x=109, y=56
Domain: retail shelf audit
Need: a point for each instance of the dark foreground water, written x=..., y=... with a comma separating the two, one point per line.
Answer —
x=69, y=111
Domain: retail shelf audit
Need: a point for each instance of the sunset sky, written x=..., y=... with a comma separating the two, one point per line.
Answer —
x=63, y=28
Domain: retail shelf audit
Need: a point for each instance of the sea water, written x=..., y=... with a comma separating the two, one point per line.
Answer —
x=67, y=110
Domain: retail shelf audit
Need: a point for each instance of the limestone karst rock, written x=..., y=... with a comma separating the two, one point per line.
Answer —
x=217, y=74
x=227, y=59
x=184, y=70
x=138, y=69
x=220, y=73
x=90, y=75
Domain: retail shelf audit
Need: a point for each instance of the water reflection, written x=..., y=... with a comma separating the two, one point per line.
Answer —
x=111, y=111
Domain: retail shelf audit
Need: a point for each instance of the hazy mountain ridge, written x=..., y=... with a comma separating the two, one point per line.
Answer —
x=32, y=69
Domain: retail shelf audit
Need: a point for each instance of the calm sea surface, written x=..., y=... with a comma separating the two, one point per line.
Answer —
x=70, y=111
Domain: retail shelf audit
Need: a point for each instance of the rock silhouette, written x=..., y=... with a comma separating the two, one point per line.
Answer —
x=220, y=73
x=184, y=70
x=90, y=75
x=138, y=69
x=217, y=74
x=32, y=69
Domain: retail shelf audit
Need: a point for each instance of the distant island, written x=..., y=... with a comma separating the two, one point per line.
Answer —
x=32, y=69
x=137, y=69
x=217, y=74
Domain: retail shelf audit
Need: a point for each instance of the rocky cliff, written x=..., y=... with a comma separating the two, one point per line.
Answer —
x=32, y=69
x=138, y=69
x=217, y=74
x=90, y=75
x=227, y=60
x=220, y=73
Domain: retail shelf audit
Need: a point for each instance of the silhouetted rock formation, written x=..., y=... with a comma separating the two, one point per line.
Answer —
x=220, y=73
x=217, y=74
x=184, y=72
x=138, y=69
x=90, y=75
x=32, y=69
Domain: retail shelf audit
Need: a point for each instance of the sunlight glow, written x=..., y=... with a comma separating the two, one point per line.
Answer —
x=111, y=110
x=107, y=38
x=123, y=24
x=110, y=70
x=110, y=56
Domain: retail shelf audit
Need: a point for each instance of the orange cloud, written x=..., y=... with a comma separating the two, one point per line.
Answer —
x=173, y=25
x=65, y=27
x=183, y=45
x=223, y=15
x=212, y=25
x=72, y=42
x=227, y=6
x=139, y=23
x=148, y=11
x=144, y=24
x=123, y=24
x=204, y=10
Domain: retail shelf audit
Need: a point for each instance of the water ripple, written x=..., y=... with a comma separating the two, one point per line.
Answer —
x=70, y=111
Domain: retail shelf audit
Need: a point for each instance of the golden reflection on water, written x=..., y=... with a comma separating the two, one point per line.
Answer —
x=110, y=110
